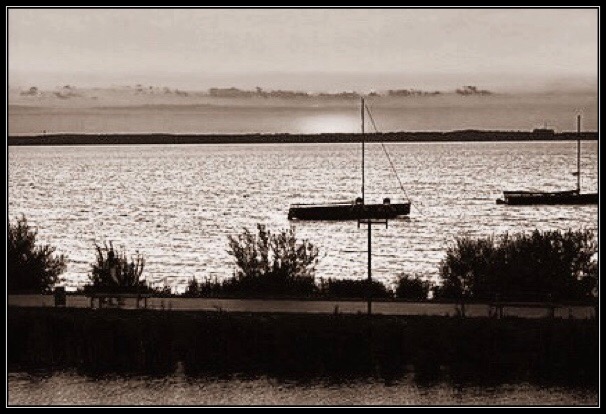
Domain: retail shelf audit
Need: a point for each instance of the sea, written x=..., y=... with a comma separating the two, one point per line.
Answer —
x=176, y=205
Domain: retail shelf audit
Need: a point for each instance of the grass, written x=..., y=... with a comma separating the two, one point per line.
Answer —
x=302, y=346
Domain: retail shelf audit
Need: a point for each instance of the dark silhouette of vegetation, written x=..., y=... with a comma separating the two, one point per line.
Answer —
x=278, y=265
x=32, y=91
x=326, y=289
x=31, y=268
x=113, y=272
x=411, y=92
x=271, y=264
x=472, y=90
x=354, y=289
x=412, y=287
x=205, y=289
x=550, y=265
x=301, y=346
x=193, y=289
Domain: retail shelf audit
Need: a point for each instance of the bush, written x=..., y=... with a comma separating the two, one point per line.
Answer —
x=538, y=266
x=271, y=264
x=113, y=272
x=193, y=288
x=205, y=289
x=31, y=268
x=358, y=289
x=409, y=287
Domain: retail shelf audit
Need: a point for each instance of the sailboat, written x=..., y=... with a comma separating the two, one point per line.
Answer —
x=554, y=197
x=355, y=210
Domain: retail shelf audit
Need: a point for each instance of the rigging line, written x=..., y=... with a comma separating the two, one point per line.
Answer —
x=387, y=153
x=393, y=167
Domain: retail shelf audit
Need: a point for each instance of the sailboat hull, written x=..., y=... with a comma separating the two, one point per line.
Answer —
x=525, y=198
x=347, y=211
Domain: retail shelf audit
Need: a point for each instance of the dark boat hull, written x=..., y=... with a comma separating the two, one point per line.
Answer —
x=563, y=197
x=343, y=212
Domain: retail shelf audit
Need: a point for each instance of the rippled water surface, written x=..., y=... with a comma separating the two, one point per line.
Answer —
x=178, y=204
x=67, y=389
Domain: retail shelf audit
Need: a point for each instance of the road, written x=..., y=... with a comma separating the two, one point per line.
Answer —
x=311, y=306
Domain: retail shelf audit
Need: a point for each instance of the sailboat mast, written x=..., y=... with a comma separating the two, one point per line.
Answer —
x=363, y=149
x=579, y=153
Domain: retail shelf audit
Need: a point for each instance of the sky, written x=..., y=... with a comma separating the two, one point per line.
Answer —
x=304, y=49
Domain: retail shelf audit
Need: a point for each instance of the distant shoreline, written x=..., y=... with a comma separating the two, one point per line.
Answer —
x=285, y=138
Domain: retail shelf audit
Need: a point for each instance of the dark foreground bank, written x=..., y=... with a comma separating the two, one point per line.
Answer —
x=139, y=139
x=298, y=346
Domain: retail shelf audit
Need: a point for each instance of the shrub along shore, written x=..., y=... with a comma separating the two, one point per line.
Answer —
x=548, y=266
x=305, y=346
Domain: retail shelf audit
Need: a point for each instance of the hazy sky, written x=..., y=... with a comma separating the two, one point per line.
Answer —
x=307, y=49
